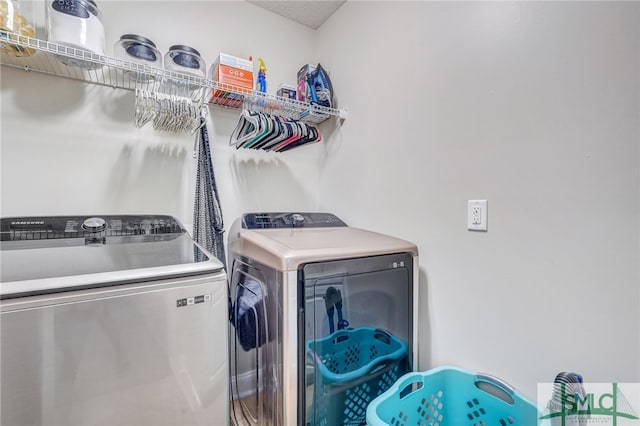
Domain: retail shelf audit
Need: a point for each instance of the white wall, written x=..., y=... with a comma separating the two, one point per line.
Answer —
x=71, y=148
x=533, y=106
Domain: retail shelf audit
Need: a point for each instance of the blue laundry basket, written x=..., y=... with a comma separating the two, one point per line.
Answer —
x=352, y=368
x=449, y=396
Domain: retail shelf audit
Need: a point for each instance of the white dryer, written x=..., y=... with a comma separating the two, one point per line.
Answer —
x=323, y=318
x=112, y=320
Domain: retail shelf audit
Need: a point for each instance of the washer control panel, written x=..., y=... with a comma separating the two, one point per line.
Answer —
x=60, y=227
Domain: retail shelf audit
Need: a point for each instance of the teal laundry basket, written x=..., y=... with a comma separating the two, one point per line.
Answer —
x=352, y=368
x=449, y=396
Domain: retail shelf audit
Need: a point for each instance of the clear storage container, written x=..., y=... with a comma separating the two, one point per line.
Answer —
x=17, y=17
x=186, y=60
x=139, y=50
x=77, y=24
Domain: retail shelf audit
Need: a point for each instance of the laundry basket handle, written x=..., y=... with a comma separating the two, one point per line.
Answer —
x=382, y=335
x=496, y=387
x=379, y=366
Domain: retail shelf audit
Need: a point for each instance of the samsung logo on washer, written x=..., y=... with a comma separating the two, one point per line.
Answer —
x=28, y=222
x=193, y=300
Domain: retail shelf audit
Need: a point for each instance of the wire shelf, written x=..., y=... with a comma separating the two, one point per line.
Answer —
x=108, y=71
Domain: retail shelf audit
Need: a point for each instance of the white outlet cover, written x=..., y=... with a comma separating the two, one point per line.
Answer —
x=477, y=215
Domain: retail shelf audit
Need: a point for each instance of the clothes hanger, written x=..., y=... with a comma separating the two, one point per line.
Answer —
x=266, y=127
x=286, y=131
x=248, y=130
x=313, y=137
x=276, y=133
x=241, y=129
x=259, y=130
x=298, y=132
x=293, y=134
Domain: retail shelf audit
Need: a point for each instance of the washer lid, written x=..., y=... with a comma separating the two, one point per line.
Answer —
x=47, y=265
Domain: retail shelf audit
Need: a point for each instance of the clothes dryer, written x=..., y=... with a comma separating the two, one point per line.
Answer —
x=323, y=318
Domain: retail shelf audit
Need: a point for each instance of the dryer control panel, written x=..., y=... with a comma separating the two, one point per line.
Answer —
x=290, y=220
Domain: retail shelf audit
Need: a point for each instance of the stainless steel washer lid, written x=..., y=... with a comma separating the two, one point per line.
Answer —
x=46, y=261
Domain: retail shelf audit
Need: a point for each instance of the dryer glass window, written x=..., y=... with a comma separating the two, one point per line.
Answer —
x=357, y=334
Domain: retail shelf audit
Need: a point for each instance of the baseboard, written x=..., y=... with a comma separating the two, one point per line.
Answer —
x=244, y=384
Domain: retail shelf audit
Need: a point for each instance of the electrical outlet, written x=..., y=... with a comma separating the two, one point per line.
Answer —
x=477, y=215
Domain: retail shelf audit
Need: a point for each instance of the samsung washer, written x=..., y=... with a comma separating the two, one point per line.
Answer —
x=111, y=320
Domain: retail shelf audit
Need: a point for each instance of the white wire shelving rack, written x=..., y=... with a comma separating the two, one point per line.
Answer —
x=117, y=73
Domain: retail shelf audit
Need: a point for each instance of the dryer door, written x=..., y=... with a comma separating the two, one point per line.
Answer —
x=254, y=345
x=358, y=321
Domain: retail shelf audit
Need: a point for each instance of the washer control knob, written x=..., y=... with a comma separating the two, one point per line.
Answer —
x=297, y=219
x=94, y=224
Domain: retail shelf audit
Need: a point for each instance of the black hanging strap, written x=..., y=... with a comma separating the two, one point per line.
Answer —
x=208, y=226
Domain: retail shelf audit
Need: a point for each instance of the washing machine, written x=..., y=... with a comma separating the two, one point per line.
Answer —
x=323, y=318
x=110, y=320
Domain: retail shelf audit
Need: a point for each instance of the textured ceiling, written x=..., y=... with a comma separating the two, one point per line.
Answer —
x=306, y=12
